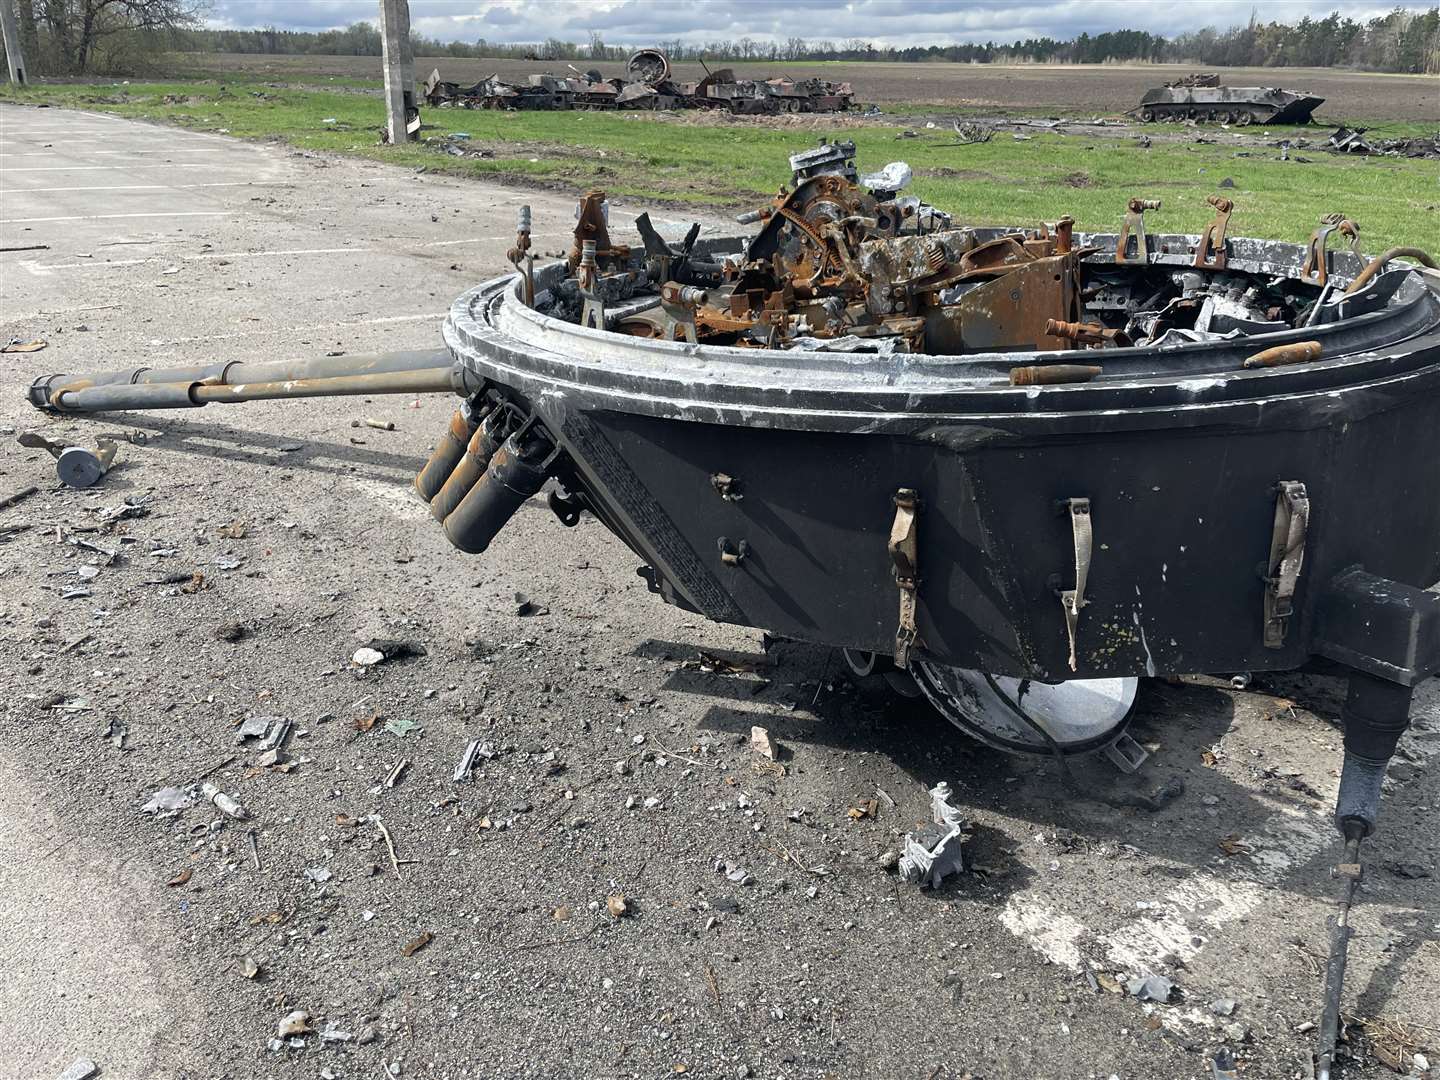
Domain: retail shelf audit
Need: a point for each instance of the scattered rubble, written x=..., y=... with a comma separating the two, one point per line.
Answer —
x=1352, y=141
x=293, y=1024
x=1155, y=988
x=80, y=1069
x=170, y=800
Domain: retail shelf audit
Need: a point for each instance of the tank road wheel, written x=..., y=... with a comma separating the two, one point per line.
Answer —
x=1147, y=116
x=1030, y=717
x=1245, y=118
x=792, y=105
x=877, y=677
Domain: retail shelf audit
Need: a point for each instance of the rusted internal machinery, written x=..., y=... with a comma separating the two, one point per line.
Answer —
x=649, y=86
x=849, y=263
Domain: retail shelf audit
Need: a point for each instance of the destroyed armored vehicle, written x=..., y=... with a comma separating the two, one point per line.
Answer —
x=1013, y=470
x=649, y=87
x=1202, y=98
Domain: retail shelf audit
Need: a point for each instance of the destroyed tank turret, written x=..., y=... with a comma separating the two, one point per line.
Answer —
x=1011, y=470
x=1202, y=98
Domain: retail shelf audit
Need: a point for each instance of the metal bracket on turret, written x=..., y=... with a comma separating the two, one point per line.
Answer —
x=1211, y=252
x=1287, y=554
x=905, y=555
x=1134, y=225
x=1072, y=600
x=587, y=280
x=1316, y=269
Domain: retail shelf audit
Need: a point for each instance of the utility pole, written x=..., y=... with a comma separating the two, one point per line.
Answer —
x=29, y=39
x=402, y=115
x=14, y=58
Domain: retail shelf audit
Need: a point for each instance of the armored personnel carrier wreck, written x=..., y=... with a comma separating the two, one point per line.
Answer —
x=1015, y=470
x=1202, y=98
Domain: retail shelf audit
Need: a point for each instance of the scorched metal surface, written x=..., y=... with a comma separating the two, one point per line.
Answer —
x=1179, y=453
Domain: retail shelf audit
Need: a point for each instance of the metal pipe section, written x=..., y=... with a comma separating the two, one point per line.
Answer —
x=447, y=452
x=515, y=472
x=471, y=466
x=83, y=398
x=424, y=381
x=1375, y=265
x=168, y=388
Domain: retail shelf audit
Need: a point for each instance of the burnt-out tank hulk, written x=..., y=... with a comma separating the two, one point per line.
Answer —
x=1015, y=470
x=649, y=86
x=1202, y=98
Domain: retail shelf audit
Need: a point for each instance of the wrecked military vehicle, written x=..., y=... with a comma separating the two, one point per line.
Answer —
x=1202, y=98
x=1014, y=470
x=649, y=86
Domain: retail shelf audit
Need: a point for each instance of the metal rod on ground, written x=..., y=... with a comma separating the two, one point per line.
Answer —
x=1349, y=873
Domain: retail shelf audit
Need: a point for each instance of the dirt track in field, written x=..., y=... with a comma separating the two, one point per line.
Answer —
x=1064, y=88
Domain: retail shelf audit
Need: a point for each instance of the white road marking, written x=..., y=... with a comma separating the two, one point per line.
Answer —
x=128, y=165
x=48, y=133
x=1050, y=932
x=162, y=150
x=39, y=269
x=100, y=217
x=1181, y=920
x=157, y=187
x=399, y=497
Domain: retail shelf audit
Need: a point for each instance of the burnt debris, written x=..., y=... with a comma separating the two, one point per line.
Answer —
x=649, y=86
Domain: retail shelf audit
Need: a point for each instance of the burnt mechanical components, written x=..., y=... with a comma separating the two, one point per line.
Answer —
x=1201, y=98
x=76, y=466
x=983, y=462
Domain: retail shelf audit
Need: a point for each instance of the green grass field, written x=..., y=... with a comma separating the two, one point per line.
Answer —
x=720, y=165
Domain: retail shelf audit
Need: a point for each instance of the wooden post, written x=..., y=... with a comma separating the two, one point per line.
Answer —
x=402, y=117
x=14, y=58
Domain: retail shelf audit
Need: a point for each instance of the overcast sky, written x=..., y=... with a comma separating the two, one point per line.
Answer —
x=893, y=22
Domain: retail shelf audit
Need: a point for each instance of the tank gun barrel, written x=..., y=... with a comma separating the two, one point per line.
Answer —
x=422, y=371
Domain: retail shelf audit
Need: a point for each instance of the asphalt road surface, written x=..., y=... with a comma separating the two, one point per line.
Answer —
x=272, y=540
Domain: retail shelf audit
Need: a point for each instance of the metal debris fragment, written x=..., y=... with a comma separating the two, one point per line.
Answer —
x=1155, y=988
x=931, y=854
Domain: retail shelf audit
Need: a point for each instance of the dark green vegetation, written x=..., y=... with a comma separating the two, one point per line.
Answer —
x=1401, y=41
x=706, y=160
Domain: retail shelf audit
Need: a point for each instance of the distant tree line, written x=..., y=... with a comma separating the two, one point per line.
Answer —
x=76, y=36
x=1401, y=41
x=73, y=37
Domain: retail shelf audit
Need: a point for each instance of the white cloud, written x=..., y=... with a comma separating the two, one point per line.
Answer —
x=883, y=22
